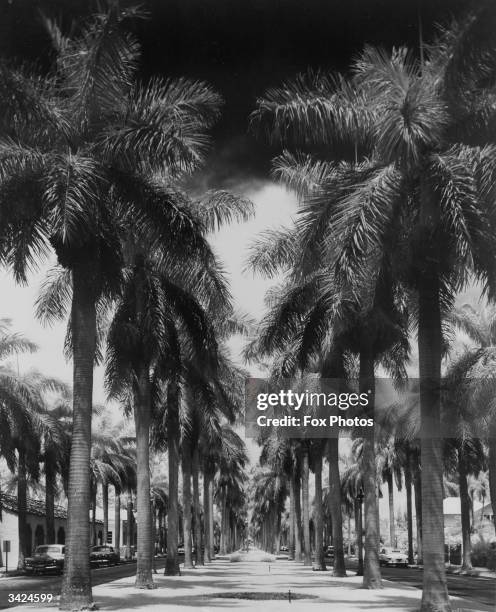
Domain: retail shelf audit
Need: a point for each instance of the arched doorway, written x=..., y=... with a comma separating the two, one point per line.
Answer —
x=39, y=535
x=61, y=536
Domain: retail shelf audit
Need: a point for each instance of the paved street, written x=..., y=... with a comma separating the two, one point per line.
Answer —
x=50, y=583
x=254, y=582
x=482, y=590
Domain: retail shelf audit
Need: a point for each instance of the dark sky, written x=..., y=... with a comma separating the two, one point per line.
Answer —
x=241, y=46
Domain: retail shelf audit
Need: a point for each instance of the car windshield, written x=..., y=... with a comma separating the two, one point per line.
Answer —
x=48, y=549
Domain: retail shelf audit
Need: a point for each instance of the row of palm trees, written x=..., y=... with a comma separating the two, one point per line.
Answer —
x=280, y=476
x=92, y=163
x=36, y=447
x=394, y=164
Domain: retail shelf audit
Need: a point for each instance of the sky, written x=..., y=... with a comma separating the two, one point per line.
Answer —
x=274, y=207
x=241, y=47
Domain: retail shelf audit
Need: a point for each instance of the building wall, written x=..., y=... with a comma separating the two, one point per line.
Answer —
x=9, y=530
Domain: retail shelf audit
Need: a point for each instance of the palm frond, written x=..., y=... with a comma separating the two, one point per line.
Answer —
x=273, y=252
x=218, y=208
x=54, y=299
x=302, y=174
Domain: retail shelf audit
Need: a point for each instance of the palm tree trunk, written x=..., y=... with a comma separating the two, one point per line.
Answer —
x=211, y=536
x=142, y=415
x=319, y=512
x=76, y=583
x=483, y=500
x=464, y=511
x=50, y=500
x=197, y=532
x=206, y=517
x=224, y=526
x=93, y=516
x=417, y=489
x=105, y=503
x=277, y=538
x=335, y=506
x=22, y=507
x=435, y=590
x=117, y=521
x=392, y=535
x=186, y=471
x=349, y=534
x=492, y=472
x=307, y=556
x=359, y=536
x=292, y=519
x=173, y=434
x=129, y=541
x=371, y=568
x=298, y=522
x=153, y=511
x=409, y=514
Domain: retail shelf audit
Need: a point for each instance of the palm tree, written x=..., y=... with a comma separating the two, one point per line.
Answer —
x=317, y=450
x=55, y=456
x=26, y=425
x=479, y=325
x=434, y=152
x=390, y=462
x=229, y=484
x=73, y=152
x=143, y=335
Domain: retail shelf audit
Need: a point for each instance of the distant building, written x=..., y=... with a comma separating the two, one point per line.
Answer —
x=483, y=517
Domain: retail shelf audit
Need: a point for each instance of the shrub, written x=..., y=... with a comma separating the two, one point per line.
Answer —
x=484, y=555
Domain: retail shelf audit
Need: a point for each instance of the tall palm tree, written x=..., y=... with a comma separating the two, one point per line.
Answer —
x=479, y=325
x=73, y=150
x=391, y=461
x=421, y=175
x=142, y=336
x=28, y=428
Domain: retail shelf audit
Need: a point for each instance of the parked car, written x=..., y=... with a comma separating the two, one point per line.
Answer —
x=46, y=558
x=329, y=552
x=393, y=557
x=180, y=549
x=103, y=555
x=284, y=549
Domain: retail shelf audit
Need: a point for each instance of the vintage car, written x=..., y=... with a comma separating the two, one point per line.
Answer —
x=103, y=555
x=46, y=558
x=392, y=557
x=329, y=552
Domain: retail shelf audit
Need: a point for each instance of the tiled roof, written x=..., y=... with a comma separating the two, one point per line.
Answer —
x=34, y=507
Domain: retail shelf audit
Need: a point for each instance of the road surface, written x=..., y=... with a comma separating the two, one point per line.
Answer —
x=481, y=590
x=50, y=583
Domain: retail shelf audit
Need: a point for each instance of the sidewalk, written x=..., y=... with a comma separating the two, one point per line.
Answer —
x=208, y=588
x=480, y=572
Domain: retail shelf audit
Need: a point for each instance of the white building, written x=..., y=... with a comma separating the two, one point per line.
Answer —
x=36, y=527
